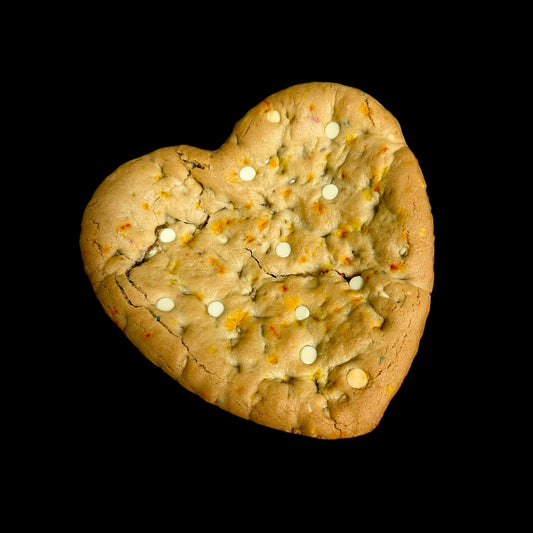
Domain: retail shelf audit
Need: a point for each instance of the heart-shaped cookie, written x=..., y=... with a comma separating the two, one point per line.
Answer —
x=284, y=277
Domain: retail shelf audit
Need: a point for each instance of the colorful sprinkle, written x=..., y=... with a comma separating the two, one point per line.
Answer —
x=235, y=319
x=318, y=208
x=262, y=223
x=273, y=359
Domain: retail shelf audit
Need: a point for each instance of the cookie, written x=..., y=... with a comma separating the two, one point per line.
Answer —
x=286, y=276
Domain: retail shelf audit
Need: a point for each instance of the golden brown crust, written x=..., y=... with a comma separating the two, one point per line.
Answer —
x=373, y=225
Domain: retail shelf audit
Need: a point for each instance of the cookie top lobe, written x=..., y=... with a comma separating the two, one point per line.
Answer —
x=286, y=276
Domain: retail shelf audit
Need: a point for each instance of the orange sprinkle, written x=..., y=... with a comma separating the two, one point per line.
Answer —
x=367, y=195
x=218, y=226
x=291, y=302
x=318, y=208
x=219, y=267
x=249, y=238
x=273, y=359
x=262, y=223
x=286, y=193
x=146, y=206
x=274, y=331
x=343, y=231
x=363, y=108
x=235, y=319
x=173, y=266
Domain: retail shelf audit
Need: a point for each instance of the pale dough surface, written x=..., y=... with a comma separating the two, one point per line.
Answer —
x=229, y=210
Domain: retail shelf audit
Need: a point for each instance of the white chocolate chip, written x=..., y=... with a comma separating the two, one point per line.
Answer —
x=357, y=378
x=308, y=354
x=215, y=308
x=165, y=304
x=330, y=191
x=167, y=235
x=332, y=130
x=151, y=252
x=273, y=116
x=283, y=249
x=356, y=283
x=247, y=173
x=301, y=312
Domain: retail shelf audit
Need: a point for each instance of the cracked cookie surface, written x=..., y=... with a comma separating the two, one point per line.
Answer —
x=286, y=276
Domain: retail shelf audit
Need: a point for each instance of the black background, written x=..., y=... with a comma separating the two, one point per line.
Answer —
x=111, y=413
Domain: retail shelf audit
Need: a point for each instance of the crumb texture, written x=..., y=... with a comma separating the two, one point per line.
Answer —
x=284, y=277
